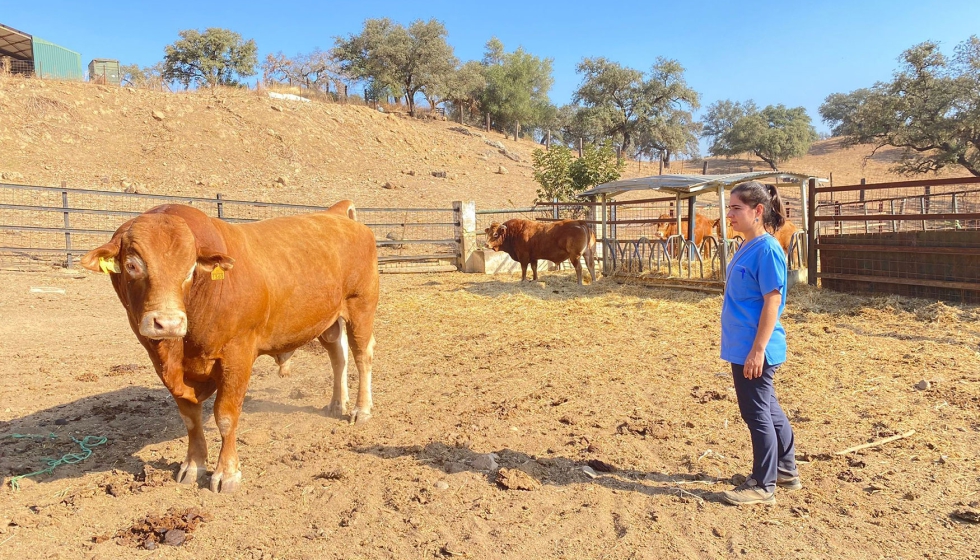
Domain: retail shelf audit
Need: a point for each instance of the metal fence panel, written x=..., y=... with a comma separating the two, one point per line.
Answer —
x=57, y=225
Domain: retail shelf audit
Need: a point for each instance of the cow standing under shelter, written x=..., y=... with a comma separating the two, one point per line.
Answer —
x=206, y=298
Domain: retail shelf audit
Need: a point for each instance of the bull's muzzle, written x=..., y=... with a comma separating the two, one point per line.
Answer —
x=164, y=324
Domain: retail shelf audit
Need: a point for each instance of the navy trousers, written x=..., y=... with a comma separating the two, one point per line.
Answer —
x=772, y=437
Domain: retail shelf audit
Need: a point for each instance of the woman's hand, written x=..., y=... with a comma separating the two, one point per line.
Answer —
x=753, y=364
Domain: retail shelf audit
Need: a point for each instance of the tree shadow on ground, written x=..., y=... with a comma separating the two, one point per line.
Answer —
x=556, y=471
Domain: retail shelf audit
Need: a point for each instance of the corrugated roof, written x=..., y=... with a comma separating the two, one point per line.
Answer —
x=688, y=185
x=16, y=44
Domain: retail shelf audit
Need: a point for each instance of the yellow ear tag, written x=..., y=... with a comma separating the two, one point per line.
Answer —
x=217, y=273
x=108, y=265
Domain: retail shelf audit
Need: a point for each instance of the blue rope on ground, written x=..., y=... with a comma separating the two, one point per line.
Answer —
x=86, y=444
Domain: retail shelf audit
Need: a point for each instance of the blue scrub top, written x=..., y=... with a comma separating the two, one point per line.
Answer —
x=757, y=268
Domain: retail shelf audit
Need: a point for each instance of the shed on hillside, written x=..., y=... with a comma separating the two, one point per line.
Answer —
x=104, y=71
x=22, y=53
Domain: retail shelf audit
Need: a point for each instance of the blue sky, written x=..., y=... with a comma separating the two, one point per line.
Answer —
x=789, y=52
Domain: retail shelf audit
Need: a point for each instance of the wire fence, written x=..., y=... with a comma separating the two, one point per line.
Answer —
x=55, y=226
x=915, y=238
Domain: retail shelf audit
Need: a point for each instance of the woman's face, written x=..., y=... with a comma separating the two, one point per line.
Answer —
x=743, y=217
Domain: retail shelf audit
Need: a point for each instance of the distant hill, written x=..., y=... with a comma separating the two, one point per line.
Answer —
x=246, y=145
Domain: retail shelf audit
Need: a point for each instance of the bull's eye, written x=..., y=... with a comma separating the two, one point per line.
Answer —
x=131, y=268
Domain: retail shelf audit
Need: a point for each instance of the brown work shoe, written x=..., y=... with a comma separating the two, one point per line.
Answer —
x=748, y=493
x=788, y=482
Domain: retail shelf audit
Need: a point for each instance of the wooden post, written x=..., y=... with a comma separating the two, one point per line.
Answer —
x=465, y=214
x=547, y=141
x=723, y=225
x=661, y=172
x=517, y=131
x=488, y=122
x=704, y=168
x=861, y=192
x=619, y=155
x=811, y=233
x=64, y=204
x=831, y=178
x=221, y=206
x=579, y=147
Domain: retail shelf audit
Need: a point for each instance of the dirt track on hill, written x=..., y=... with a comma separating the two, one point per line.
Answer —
x=548, y=377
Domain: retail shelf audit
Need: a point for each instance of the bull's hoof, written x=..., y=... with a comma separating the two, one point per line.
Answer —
x=336, y=409
x=359, y=416
x=226, y=483
x=189, y=474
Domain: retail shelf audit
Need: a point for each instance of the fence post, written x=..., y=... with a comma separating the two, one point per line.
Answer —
x=861, y=192
x=704, y=168
x=547, y=141
x=723, y=226
x=811, y=233
x=64, y=204
x=922, y=210
x=554, y=208
x=464, y=214
x=891, y=203
x=804, y=204
x=579, y=147
x=221, y=206
x=605, y=257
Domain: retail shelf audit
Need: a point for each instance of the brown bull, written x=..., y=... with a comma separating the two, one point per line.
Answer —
x=784, y=234
x=205, y=298
x=527, y=241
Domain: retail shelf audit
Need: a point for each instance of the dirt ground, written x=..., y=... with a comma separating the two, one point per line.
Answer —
x=549, y=378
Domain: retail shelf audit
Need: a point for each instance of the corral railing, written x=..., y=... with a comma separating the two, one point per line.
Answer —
x=916, y=238
x=58, y=225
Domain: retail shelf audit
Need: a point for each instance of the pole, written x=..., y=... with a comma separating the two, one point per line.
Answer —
x=221, y=206
x=547, y=141
x=724, y=231
x=579, y=147
x=64, y=204
x=811, y=233
x=690, y=226
x=605, y=258
x=704, y=168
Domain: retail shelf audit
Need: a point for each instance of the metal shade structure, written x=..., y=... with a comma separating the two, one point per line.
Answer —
x=15, y=44
x=688, y=187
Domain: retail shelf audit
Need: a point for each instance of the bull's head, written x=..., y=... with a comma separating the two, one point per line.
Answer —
x=496, y=234
x=153, y=259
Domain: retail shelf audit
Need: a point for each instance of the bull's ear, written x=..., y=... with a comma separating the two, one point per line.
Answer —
x=501, y=230
x=103, y=259
x=208, y=260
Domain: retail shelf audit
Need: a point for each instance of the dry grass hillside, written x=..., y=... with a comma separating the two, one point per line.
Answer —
x=247, y=145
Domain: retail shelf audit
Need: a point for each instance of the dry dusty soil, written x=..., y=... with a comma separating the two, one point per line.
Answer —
x=547, y=377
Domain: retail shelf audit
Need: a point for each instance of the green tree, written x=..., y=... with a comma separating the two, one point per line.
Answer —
x=517, y=87
x=215, y=57
x=627, y=103
x=773, y=134
x=150, y=77
x=597, y=165
x=464, y=86
x=406, y=60
x=552, y=170
x=563, y=176
x=930, y=109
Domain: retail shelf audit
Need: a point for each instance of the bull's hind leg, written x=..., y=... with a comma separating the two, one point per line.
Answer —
x=577, y=265
x=334, y=339
x=590, y=260
x=361, y=330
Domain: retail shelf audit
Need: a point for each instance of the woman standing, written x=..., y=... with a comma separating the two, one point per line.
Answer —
x=754, y=341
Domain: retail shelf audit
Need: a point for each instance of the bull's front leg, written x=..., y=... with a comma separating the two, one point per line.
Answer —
x=236, y=369
x=196, y=461
x=534, y=268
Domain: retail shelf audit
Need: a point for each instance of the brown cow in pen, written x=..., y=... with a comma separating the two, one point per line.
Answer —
x=784, y=234
x=206, y=298
x=527, y=241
